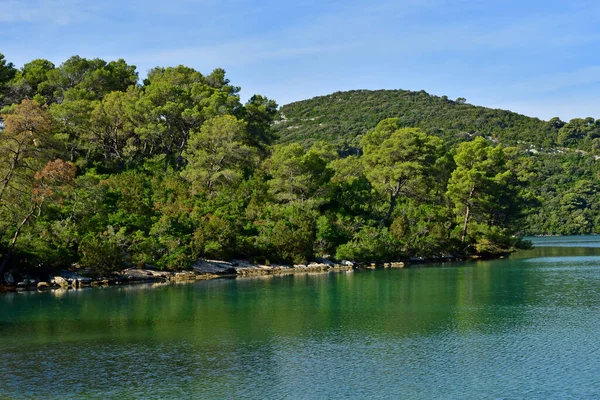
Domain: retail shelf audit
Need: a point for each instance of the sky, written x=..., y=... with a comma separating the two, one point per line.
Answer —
x=539, y=58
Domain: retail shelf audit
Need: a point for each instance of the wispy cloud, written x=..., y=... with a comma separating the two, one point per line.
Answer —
x=503, y=52
x=235, y=54
x=58, y=12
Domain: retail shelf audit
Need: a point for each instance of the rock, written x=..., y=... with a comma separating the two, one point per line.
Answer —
x=347, y=263
x=9, y=278
x=184, y=276
x=325, y=261
x=214, y=267
x=143, y=275
x=83, y=281
x=43, y=285
x=242, y=264
x=60, y=281
x=68, y=275
x=30, y=281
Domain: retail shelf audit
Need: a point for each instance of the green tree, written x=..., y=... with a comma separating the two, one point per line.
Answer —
x=398, y=161
x=177, y=101
x=217, y=155
x=22, y=153
x=80, y=78
x=112, y=128
x=27, y=80
x=73, y=125
x=260, y=112
x=299, y=175
x=484, y=190
x=7, y=73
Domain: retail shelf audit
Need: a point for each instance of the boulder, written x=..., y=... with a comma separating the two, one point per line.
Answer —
x=60, y=281
x=43, y=285
x=138, y=274
x=30, y=281
x=325, y=261
x=184, y=276
x=214, y=267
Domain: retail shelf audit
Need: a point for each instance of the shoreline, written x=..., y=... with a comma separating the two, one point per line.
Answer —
x=205, y=270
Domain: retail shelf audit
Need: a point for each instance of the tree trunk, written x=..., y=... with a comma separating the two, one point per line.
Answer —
x=467, y=213
x=4, y=264
x=464, y=230
x=390, y=210
x=14, y=241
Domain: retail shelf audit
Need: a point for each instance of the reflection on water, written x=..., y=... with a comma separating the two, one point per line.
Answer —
x=524, y=327
x=566, y=241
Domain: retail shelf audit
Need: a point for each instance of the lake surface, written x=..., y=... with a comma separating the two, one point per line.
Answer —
x=524, y=327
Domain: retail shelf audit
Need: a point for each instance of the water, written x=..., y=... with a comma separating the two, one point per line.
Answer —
x=524, y=327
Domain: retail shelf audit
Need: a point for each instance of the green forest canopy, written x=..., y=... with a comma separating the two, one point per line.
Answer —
x=104, y=171
x=564, y=156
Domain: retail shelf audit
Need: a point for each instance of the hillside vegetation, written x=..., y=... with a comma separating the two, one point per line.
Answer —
x=101, y=171
x=343, y=117
x=562, y=156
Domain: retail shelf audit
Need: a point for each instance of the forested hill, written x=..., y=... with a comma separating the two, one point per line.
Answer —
x=564, y=156
x=102, y=171
x=343, y=117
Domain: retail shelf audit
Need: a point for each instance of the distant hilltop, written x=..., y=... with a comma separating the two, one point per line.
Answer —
x=343, y=117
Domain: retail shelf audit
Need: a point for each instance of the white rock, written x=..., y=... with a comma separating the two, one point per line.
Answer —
x=60, y=281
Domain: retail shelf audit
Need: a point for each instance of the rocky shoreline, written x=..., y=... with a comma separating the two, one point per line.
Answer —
x=202, y=270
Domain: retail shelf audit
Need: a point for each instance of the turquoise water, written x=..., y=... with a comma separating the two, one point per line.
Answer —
x=524, y=327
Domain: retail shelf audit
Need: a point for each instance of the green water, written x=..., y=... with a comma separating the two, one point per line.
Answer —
x=523, y=327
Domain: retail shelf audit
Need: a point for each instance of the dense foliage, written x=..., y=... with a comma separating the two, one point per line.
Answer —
x=102, y=171
x=564, y=157
x=344, y=117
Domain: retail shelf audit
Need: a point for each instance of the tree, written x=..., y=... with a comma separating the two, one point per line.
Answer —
x=260, y=112
x=299, y=175
x=217, y=156
x=398, y=160
x=73, y=124
x=578, y=129
x=22, y=153
x=112, y=129
x=7, y=73
x=27, y=80
x=81, y=78
x=175, y=102
x=478, y=183
x=26, y=128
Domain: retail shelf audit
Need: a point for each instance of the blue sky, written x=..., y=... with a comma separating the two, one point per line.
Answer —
x=539, y=58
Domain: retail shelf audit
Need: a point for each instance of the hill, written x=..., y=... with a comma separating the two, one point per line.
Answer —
x=564, y=156
x=343, y=117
